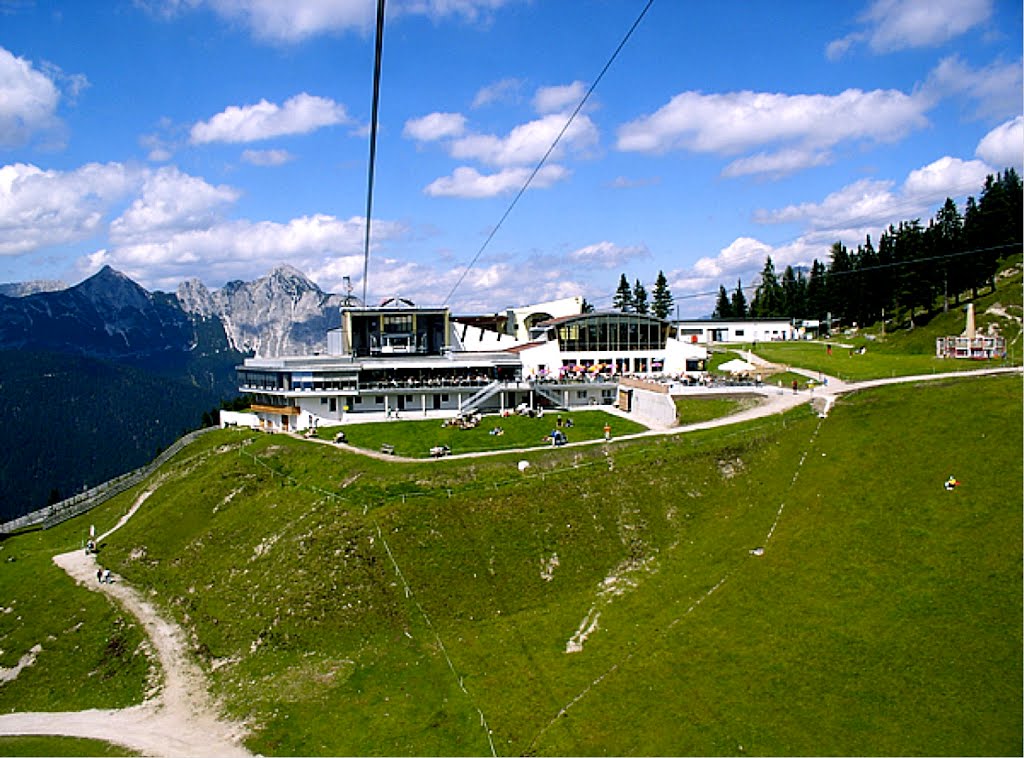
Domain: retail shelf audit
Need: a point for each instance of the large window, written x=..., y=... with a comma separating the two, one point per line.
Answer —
x=612, y=332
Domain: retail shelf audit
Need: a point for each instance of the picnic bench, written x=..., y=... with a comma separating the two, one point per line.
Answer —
x=387, y=449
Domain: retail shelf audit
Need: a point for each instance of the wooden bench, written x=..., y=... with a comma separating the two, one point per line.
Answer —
x=387, y=449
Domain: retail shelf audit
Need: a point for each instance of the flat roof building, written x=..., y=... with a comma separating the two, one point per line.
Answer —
x=399, y=359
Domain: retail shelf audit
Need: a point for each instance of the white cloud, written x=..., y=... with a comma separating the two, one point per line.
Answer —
x=900, y=24
x=607, y=254
x=291, y=22
x=558, y=98
x=267, y=157
x=731, y=261
x=467, y=182
x=625, y=182
x=171, y=202
x=777, y=164
x=527, y=143
x=28, y=101
x=891, y=25
x=41, y=208
x=1003, y=147
x=235, y=249
x=946, y=177
x=736, y=122
x=301, y=114
x=504, y=90
x=435, y=126
x=837, y=48
x=864, y=201
x=996, y=89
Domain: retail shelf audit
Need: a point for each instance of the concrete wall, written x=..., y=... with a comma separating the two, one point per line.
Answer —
x=653, y=408
x=234, y=418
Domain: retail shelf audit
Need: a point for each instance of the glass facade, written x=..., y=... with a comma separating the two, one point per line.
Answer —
x=612, y=332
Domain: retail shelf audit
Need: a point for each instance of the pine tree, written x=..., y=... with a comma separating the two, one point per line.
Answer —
x=739, y=302
x=767, y=300
x=817, y=297
x=623, y=299
x=639, y=297
x=723, y=308
x=793, y=294
x=662, y=302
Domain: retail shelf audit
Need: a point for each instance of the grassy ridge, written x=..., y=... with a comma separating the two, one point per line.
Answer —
x=881, y=607
x=349, y=605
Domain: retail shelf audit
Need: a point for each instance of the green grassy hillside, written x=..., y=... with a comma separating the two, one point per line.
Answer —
x=606, y=601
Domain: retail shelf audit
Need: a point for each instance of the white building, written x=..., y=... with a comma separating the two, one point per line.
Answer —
x=709, y=331
x=404, y=360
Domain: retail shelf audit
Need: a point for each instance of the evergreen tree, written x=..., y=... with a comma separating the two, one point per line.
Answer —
x=837, y=282
x=915, y=286
x=945, y=241
x=723, y=308
x=662, y=303
x=586, y=306
x=794, y=294
x=817, y=298
x=767, y=300
x=739, y=302
x=639, y=297
x=623, y=299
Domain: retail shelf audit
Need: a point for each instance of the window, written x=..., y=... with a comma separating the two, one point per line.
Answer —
x=379, y=400
x=581, y=394
x=739, y=332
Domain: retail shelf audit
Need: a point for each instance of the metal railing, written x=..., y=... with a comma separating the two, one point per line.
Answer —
x=83, y=502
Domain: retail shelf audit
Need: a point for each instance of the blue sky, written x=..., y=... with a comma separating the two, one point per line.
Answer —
x=217, y=139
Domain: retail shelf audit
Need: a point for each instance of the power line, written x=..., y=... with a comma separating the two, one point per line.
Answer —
x=550, y=150
x=373, y=140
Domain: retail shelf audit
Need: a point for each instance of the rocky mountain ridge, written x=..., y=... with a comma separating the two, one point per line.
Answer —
x=110, y=316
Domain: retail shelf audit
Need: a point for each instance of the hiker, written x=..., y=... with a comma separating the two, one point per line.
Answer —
x=607, y=432
x=99, y=575
x=106, y=577
x=794, y=386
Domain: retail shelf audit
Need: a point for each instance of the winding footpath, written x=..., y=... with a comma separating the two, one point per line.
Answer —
x=183, y=720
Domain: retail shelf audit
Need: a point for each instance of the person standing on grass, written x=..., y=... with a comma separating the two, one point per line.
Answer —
x=607, y=432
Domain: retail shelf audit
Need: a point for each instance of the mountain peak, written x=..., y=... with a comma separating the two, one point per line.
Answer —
x=111, y=286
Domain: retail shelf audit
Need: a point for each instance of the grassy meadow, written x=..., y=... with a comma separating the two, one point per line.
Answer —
x=910, y=351
x=415, y=438
x=606, y=600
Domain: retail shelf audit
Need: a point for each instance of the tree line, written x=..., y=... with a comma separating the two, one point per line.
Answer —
x=633, y=299
x=914, y=269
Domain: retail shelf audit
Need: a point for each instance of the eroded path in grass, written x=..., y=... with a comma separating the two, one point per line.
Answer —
x=182, y=720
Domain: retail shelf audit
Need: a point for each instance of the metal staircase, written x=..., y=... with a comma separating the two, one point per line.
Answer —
x=482, y=396
x=545, y=391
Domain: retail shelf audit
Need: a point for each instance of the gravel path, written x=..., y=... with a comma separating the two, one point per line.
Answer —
x=181, y=721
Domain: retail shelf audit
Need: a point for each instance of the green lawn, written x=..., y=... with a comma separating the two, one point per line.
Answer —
x=414, y=439
x=69, y=746
x=693, y=410
x=849, y=366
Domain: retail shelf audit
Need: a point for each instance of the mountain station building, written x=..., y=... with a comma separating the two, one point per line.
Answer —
x=400, y=360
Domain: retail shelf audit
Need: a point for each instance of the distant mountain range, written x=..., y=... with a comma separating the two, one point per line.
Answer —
x=97, y=377
x=111, y=317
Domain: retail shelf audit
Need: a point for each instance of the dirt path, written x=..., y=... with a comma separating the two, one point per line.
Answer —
x=181, y=721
